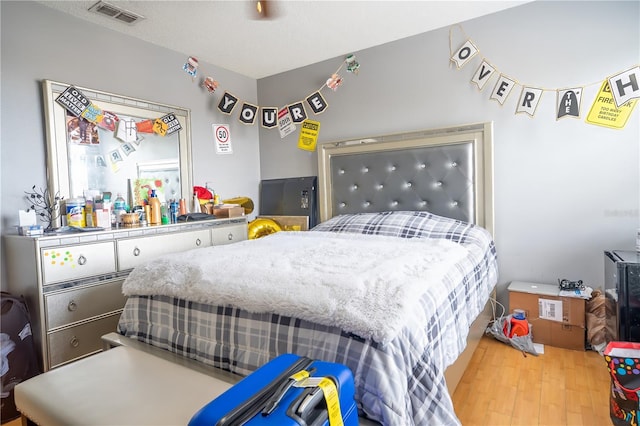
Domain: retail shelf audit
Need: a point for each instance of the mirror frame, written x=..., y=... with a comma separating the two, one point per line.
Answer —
x=58, y=180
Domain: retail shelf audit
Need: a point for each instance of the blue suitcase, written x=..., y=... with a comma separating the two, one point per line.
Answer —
x=288, y=390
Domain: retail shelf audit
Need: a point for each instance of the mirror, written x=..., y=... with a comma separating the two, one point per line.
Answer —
x=122, y=154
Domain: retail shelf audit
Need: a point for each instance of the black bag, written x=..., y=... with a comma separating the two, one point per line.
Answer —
x=18, y=357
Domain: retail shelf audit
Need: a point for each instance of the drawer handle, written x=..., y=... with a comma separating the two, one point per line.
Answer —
x=136, y=251
x=72, y=306
x=75, y=342
x=82, y=260
x=198, y=242
x=230, y=236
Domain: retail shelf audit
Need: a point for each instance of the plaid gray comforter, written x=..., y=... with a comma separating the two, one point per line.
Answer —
x=400, y=383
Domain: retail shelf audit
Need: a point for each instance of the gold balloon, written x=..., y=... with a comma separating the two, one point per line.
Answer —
x=261, y=227
x=245, y=202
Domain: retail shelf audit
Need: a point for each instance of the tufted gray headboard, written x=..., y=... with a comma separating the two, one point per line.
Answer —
x=448, y=172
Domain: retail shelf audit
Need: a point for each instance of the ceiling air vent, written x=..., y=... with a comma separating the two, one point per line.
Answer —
x=115, y=12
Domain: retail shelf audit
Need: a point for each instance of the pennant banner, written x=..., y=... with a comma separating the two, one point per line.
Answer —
x=625, y=86
x=284, y=118
x=529, y=99
x=568, y=102
x=611, y=108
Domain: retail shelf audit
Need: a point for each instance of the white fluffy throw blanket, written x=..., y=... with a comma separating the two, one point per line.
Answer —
x=364, y=284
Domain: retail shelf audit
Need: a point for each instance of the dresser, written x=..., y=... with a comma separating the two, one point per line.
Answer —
x=73, y=281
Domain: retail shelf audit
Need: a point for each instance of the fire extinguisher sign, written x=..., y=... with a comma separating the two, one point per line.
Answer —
x=222, y=136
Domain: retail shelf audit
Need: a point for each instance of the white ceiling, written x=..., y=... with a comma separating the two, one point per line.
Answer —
x=300, y=33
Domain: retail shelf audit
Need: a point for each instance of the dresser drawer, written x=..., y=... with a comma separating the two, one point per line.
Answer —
x=74, y=305
x=229, y=234
x=76, y=342
x=66, y=263
x=132, y=252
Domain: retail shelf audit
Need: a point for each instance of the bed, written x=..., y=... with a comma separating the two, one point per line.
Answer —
x=390, y=283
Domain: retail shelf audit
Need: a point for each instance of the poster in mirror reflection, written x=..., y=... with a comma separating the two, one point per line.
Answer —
x=98, y=158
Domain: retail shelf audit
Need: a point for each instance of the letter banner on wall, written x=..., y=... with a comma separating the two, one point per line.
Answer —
x=283, y=118
x=611, y=108
x=625, y=86
x=529, y=99
x=502, y=89
x=464, y=54
x=483, y=74
x=269, y=115
x=568, y=102
x=604, y=111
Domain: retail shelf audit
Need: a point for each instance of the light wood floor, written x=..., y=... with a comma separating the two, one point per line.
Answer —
x=502, y=387
x=560, y=387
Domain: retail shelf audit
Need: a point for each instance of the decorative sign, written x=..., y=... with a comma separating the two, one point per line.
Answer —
x=108, y=121
x=127, y=131
x=191, y=67
x=173, y=125
x=222, y=136
x=144, y=126
x=309, y=135
x=604, y=111
x=210, y=84
x=160, y=127
x=285, y=123
x=73, y=100
x=92, y=113
x=569, y=102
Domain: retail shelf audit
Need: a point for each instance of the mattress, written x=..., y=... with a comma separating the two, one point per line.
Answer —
x=398, y=382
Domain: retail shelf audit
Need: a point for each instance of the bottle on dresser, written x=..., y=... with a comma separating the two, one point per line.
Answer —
x=155, y=209
x=119, y=207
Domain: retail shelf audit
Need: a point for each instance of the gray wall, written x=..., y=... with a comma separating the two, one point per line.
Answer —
x=564, y=190
x=41, y=43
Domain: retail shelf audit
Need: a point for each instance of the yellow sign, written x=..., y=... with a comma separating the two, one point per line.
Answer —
x=604, y=111
x=160, y=127
x=309, y=135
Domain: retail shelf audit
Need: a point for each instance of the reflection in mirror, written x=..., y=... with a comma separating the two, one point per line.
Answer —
x=122, y=153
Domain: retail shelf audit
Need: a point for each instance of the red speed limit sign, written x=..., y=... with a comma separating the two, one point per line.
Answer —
x=223, y=138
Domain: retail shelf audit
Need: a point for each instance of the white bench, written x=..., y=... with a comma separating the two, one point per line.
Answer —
x=120, y=386
x=130, y=383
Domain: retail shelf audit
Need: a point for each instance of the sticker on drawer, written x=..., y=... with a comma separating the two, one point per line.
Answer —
x=73, y=262
x=59, y=258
